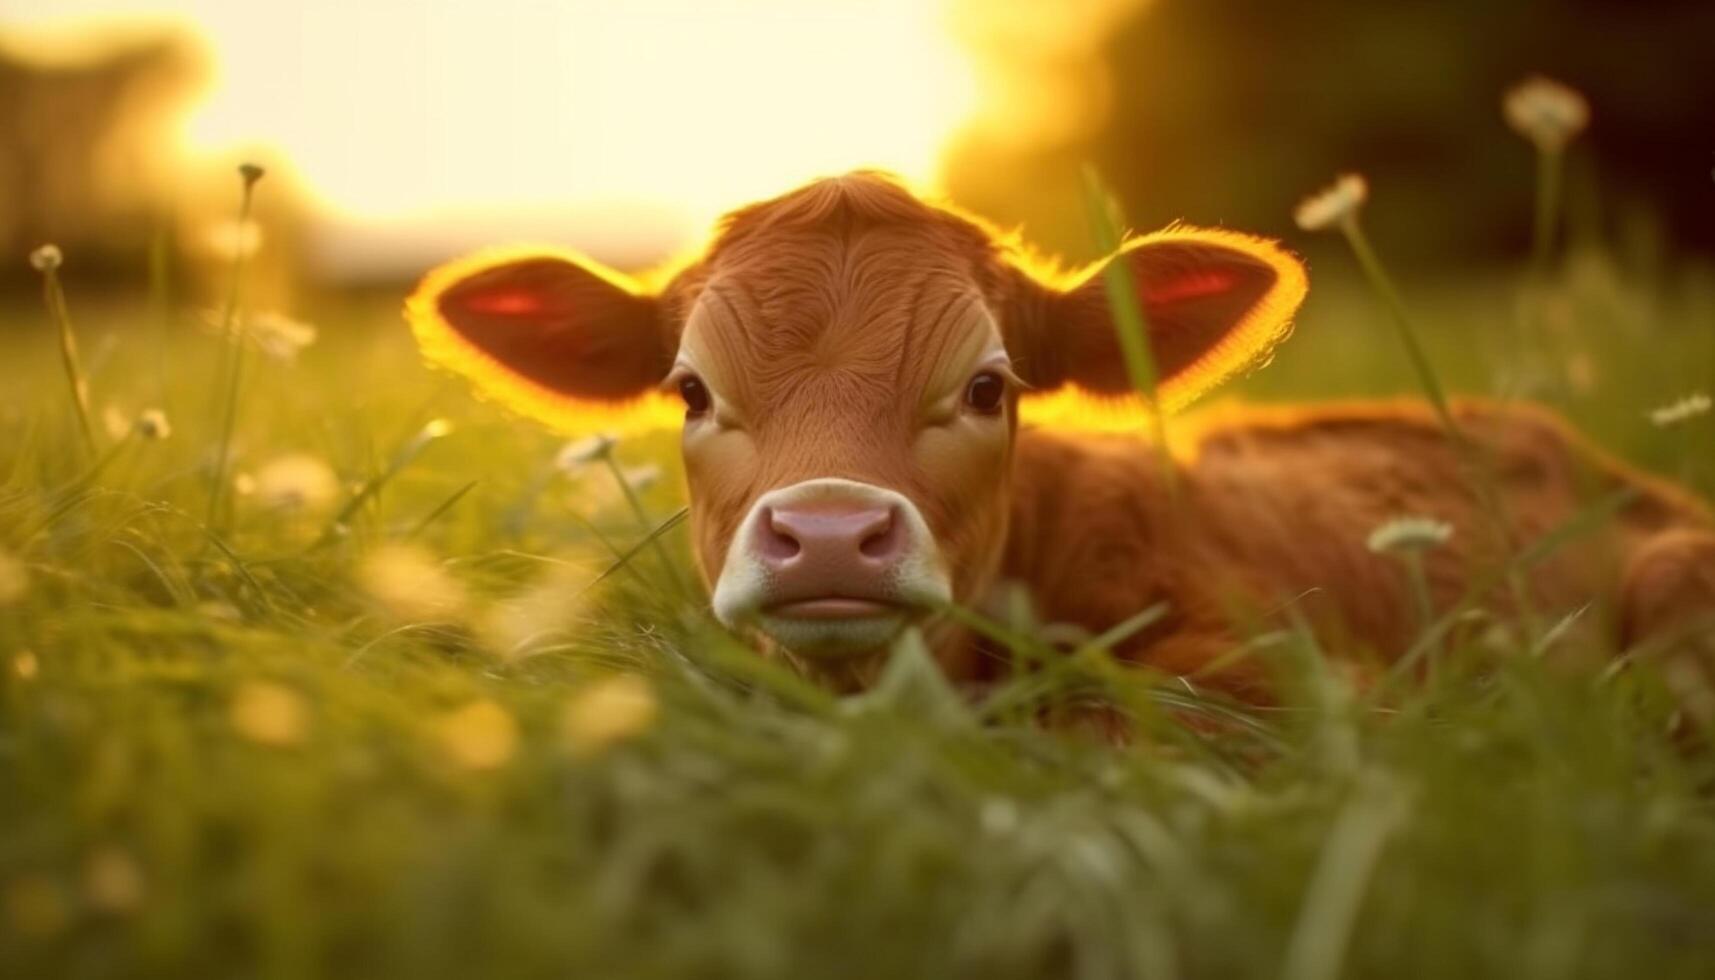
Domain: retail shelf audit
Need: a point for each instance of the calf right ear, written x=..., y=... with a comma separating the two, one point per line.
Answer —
x=547, y=333
x=1214, y=302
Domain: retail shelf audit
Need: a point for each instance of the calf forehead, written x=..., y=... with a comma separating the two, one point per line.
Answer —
x=866, y=315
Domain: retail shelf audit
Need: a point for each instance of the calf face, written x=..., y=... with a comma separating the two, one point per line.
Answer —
x=852, y=364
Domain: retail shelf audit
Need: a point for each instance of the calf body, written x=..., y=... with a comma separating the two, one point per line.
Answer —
x=878, y=395
x=1273, y=508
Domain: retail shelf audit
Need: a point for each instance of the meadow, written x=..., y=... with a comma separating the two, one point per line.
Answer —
x=425, y=692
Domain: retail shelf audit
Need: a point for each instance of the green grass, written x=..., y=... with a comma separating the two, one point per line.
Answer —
x=1510, y=820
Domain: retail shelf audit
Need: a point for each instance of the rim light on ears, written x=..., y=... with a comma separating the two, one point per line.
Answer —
x=445, y=347
x=1247, y=344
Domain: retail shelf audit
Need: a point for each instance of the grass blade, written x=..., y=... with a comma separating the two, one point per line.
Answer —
x=1131, y=324
x=441, y=508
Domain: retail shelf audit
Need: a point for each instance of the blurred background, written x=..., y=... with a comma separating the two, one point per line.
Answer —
x=397, y=134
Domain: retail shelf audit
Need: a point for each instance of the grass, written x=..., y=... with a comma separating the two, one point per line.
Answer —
x=380, y=745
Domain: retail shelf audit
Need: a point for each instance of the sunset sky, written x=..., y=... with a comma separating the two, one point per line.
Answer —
x=621, y=127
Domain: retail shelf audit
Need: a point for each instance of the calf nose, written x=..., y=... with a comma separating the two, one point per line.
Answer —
x=830, y=567
x=828, y=550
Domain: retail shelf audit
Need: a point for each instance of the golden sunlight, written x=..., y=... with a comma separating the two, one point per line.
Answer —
x=619, y=128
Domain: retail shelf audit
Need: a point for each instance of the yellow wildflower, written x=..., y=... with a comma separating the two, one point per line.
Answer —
x=480, y=735
x=112, y=881
x=269, y=714
x=609, y=711
x=410, y=586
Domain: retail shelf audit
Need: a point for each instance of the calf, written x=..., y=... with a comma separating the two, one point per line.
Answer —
x=878, y=399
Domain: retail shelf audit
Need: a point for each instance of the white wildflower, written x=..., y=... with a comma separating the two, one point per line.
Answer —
x=641, y=478
x=273, y=333
x=1683, y=410
x=431, y=430
x=279, y=336
x=152, y=424
x=1333, y=206
x=1409, y=534
x=596, y=493
x=1546, y=112
x=575, y=455
x=46, y=259
x=26, y=666
x=296, y=482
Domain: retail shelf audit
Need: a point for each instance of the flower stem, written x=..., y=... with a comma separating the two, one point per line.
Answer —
x=231, y=367
x=54, y=294
x=1383, y=285
x=1535, y=328
x=1482, y=475
x=1550, y=174
x=161, y=305
x=645, y=523
x=1418, y=576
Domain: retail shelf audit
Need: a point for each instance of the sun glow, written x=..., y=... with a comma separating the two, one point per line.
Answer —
x=620, y=128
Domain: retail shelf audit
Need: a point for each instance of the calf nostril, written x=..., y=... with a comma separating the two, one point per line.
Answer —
x=775, y=538
x=828, y=538
x=883, y=539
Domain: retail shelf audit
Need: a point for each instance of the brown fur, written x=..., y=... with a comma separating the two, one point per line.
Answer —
x=838, y=325
x=1275, y=507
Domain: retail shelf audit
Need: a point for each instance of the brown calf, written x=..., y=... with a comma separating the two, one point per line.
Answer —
x=852, y=366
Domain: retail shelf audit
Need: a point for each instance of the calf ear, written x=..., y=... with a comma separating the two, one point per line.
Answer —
x=547, y=333
x=1216, y=302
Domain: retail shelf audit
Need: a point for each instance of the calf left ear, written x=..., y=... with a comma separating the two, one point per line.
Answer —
x=550, y=334
x=1216, y=302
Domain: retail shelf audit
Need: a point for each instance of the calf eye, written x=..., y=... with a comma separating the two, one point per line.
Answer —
x=985, y=393
x=695, y=394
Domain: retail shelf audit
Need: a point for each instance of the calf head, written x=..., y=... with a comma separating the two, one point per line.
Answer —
x=850, y=364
